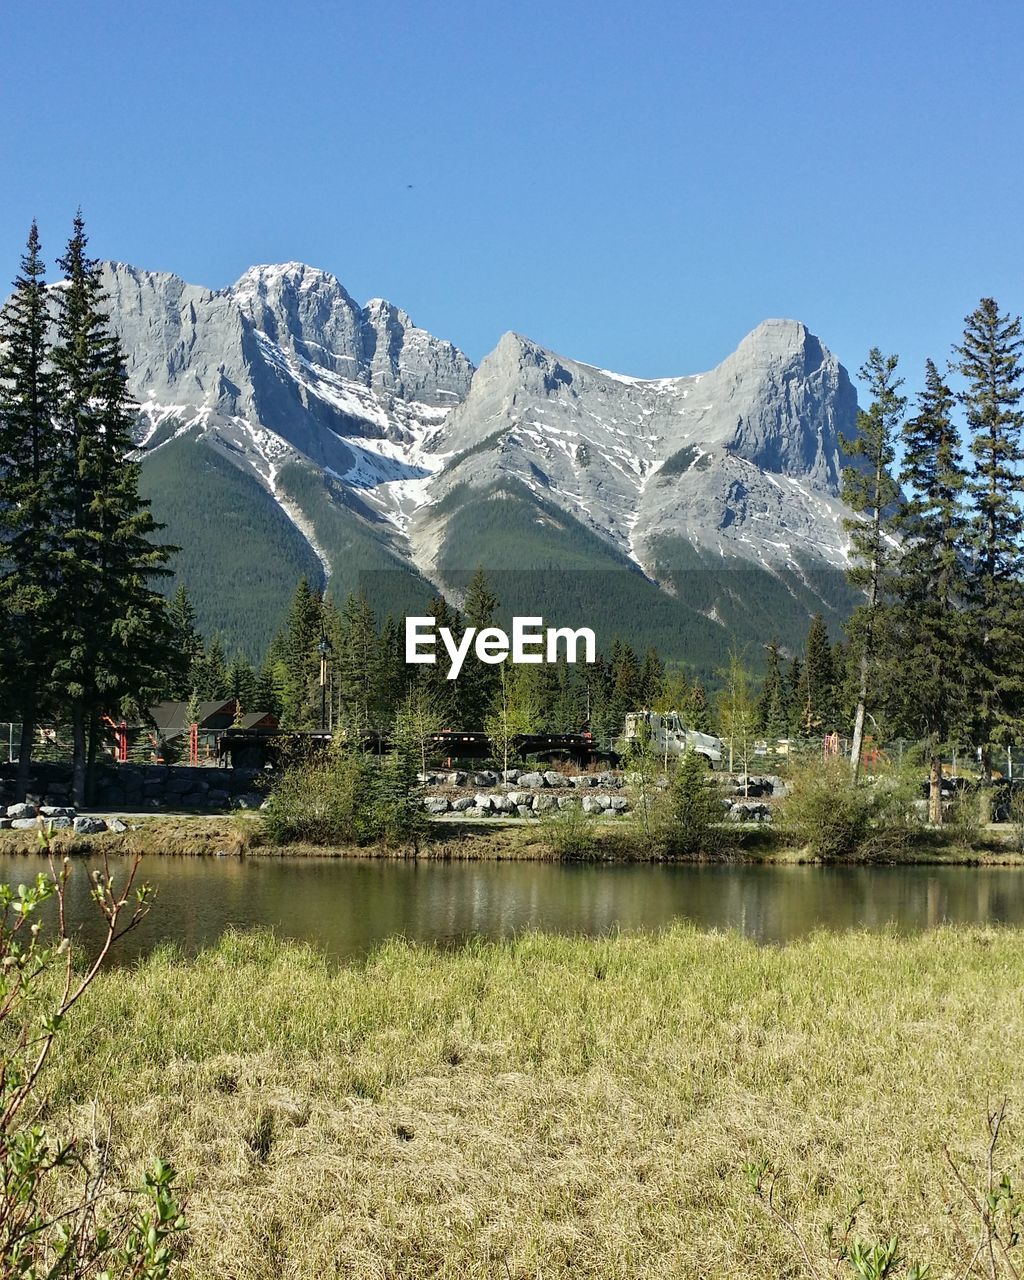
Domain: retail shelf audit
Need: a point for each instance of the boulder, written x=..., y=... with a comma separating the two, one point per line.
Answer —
x=457, y=778
x=618, y=804
x=748, y=811
x=608, y=779
x=531, y=780
x=554, y=779
x=116, y=825
x=519, y=797
x=594, y=804
x=85, y=826
x=462, y=804
x=502, y=804
x=582, y=780
x=5, y=824
x=435, y=804
x=564, y=802
x=23, y=824
x=59, y=823
x=484, y=803
x=510, y=775
x=544, y=804
x=21, y=811
x=524, y=811
x=485, y=778
x=56, y=811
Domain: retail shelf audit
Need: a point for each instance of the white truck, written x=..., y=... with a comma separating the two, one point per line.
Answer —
x=668, y=735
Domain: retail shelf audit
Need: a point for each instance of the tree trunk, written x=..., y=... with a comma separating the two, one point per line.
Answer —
x=857, y=745
x=935, y=791
x=985, y=789
x=80, y=755
x=28, y=734
x=90, y=772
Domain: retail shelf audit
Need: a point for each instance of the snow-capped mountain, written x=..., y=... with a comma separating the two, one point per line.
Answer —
x=743, y=461
x=337, y=437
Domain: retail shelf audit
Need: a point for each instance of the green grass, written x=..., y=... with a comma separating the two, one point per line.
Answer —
x=554, y=1106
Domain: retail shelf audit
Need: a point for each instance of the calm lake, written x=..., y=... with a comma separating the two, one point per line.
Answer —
x=348, y=907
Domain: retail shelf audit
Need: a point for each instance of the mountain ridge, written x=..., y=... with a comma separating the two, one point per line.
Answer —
x=383, y=445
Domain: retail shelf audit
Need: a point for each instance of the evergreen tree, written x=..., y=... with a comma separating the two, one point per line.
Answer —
x=626, y=693
x=28, y=458
x=478, y=680
x=209, y=673
x=929, y=633
x=269, y=683
x=187, y=643
x=794, y=683
x=391, y=672
x=568, y=707
x=652, y=678
x=300, y=659
x=241, y=683
x=989, y=357
x=115, y=642
x=771, y=703
x=445, y=693
x=698, y=709
x=870, y=490
x=357, y=668
x=817, y=687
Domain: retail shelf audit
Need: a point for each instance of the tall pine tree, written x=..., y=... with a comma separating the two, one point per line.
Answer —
x=28, y=459
x=479, y=681
x=989, y=358
x=929, y=632
x=870, y=490
x=115, y=642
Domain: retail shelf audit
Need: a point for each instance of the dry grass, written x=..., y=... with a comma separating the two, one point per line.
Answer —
x=553, y=1106
x=180, y=835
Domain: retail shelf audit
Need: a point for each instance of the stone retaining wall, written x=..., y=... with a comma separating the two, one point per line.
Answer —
x=528, y=793
x=134, y=787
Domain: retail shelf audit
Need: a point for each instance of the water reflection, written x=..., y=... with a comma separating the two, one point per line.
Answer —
x=349, y=907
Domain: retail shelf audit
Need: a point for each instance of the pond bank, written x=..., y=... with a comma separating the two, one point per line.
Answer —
x=475, y=839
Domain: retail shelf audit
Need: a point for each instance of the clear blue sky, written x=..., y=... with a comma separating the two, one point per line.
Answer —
x=633, y=185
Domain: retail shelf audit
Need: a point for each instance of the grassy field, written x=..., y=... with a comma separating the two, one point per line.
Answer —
x=557, y=1107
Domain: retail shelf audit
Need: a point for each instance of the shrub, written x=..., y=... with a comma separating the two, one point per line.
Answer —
x=345, y=798
x=826, y=811
x=835, y=817
x=569, y=833
x=695, y=808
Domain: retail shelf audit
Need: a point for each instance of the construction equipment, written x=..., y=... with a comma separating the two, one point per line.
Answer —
x=669, y=736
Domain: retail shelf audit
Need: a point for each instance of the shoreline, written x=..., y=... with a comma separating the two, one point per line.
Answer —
x=481, y=840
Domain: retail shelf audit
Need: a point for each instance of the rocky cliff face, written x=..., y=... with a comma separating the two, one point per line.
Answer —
x=744, y=460
x=284, y=375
